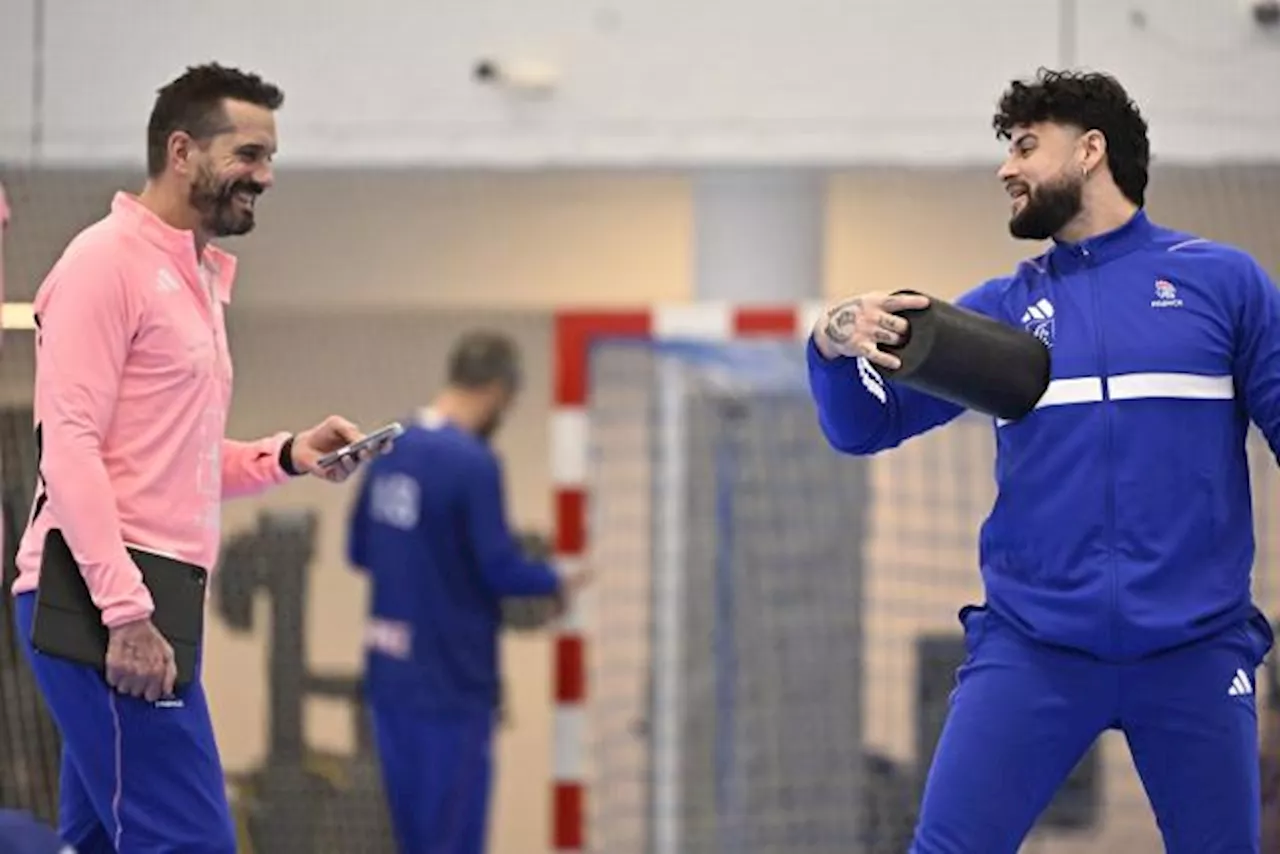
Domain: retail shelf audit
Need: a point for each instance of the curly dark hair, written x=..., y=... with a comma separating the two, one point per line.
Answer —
x=193, y=103
x=1089, y=101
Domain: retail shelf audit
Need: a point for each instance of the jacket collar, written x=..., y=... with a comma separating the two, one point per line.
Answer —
x=430, y=418
x=177, y=243
x=1100, y=248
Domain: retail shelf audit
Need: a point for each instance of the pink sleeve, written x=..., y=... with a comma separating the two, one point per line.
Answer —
x=85, y=322
x=250, y=468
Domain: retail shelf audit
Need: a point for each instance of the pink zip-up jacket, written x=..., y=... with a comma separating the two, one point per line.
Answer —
x=133, y=384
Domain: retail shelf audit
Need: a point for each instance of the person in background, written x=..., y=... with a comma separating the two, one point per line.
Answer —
x=429, y=528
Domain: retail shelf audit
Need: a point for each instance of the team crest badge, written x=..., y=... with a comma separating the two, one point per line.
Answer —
x=1166, y=295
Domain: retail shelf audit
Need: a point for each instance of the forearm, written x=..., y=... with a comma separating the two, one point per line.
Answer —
x=851, y=405
x=251, y=468
x=512, y=575
x=860, y=413
x=503, y=564
x=80, y=499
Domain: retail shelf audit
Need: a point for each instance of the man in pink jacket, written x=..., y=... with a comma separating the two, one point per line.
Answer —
x=133, y=384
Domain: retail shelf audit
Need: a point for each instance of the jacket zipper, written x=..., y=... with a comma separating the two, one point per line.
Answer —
x=1109, y=483
x=211, y=303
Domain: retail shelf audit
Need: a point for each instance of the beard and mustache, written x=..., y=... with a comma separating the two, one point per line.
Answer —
x=486, y=430
x=1048, y=208
x=221, y=214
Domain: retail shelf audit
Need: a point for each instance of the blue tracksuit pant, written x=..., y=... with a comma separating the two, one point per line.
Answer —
x=1023, y=714
x=137, y=777
x=436, y=770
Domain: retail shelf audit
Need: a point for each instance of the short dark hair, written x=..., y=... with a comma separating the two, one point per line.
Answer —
x=1089, y=101
x=193, y=103
x=481, y=358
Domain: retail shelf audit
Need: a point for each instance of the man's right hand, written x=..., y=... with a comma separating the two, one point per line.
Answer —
x=570, y=587
x=140, y=661
x=859, y=325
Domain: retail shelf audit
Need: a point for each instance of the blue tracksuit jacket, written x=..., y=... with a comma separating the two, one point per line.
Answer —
x=429, y=526
x=1123, y=523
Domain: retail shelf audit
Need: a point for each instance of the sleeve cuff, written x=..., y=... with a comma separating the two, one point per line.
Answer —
x=137, y=607
x=820, y=361
x=286, y=458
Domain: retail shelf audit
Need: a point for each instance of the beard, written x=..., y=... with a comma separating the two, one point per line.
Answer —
x=221, y=212
x=1048, y=209
x=489, y=427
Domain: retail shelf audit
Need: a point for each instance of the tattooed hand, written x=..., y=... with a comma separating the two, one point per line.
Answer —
x=859, y=325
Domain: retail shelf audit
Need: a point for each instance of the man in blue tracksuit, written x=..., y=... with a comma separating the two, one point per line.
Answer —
x=1117, y=557
x=429, y=528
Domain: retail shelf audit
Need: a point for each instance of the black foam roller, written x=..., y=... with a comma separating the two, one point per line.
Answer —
x=971, y=360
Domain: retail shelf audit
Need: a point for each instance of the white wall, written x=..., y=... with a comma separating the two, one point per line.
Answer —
x=17, y=66
x=644, y=81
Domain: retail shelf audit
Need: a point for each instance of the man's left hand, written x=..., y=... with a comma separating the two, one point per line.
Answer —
x=329, y=435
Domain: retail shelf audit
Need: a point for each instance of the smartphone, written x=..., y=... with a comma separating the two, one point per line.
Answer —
x=384, y=434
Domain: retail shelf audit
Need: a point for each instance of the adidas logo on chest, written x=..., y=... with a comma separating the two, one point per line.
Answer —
x=1038, y=320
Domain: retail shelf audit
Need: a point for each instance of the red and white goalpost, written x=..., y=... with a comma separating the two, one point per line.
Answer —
x=574, y=333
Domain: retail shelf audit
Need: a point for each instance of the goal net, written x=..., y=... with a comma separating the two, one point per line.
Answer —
x=726, y=647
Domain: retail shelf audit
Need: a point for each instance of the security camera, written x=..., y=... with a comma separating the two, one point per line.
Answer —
x=1266, y=13
x=517, y=75
x=486, y=71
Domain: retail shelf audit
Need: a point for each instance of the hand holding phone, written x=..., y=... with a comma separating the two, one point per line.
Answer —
x=373, y=443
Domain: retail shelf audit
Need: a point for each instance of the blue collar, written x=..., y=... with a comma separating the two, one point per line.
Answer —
x=1100, y=248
